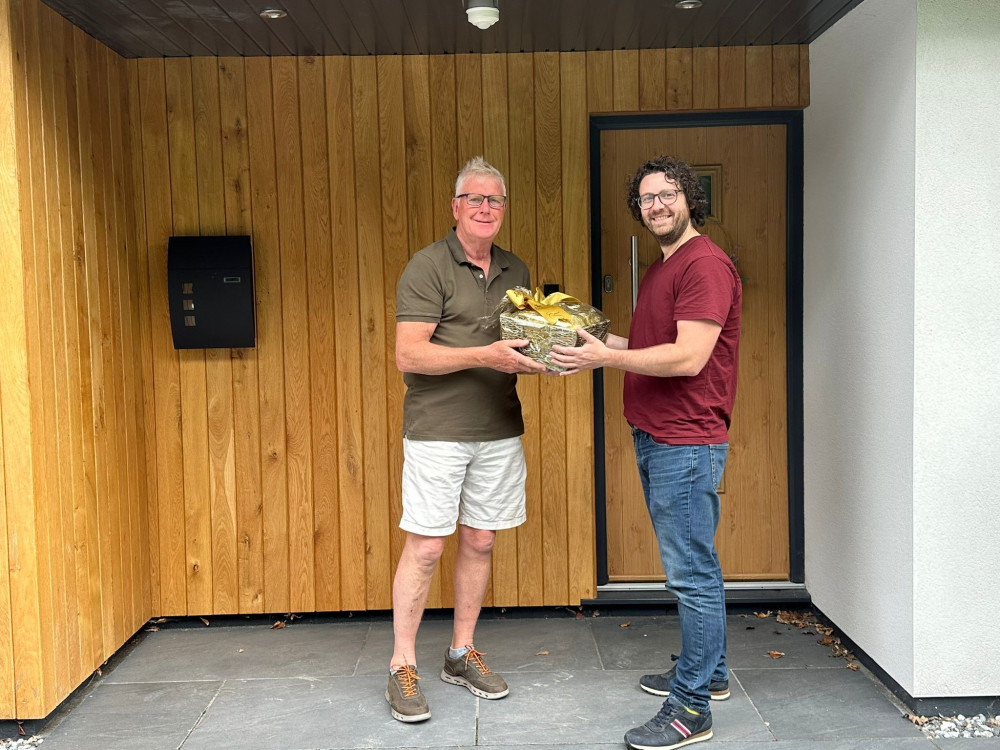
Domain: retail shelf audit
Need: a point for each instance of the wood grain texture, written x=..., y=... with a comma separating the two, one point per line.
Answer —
x=74, y=460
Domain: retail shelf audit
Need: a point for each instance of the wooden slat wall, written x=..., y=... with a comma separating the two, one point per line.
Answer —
x=73, y=517
x=277, y=468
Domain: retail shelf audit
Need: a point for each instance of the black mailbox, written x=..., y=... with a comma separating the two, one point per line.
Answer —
x=210, y=288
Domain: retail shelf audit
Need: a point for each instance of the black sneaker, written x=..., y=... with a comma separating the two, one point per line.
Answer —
x=659, y=684
x=673, y=726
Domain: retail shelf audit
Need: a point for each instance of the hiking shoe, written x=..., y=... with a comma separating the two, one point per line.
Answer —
x=405, y=699
x=673, y=726
x=469, y=670
x=659, y=684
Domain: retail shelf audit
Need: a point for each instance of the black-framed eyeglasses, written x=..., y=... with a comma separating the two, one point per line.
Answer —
x=476, y=199
x=667, y=198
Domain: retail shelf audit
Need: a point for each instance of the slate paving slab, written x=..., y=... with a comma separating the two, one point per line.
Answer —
x=244, y=651
x=823, y=704
x=330, y=713
x=560, y=708
x=145, y=716
x=639, y=643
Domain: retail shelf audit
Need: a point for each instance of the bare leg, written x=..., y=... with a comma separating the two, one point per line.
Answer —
x=409, y=593
x=472, y=573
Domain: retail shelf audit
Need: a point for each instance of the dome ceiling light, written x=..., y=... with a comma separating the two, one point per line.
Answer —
x=482, y=13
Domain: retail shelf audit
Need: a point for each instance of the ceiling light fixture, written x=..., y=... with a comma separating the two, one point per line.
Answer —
x=482, y=13
x=272, y=14
x=687, y=4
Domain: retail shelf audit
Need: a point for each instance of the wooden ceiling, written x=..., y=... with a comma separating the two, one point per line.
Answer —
x=180, y=28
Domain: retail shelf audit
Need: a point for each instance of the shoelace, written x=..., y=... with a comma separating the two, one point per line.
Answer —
x=407, y=680
x=665, y=715
x=477, y=658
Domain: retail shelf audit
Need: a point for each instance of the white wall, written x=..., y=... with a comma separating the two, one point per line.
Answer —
x=858, y=329
x=956, y=373
x=901, y=334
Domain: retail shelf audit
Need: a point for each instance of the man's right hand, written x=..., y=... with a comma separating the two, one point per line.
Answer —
x=503, y=356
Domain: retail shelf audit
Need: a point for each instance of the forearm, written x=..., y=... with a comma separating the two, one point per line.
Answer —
x=664, y=360
x=616, y=342
x=425, y=358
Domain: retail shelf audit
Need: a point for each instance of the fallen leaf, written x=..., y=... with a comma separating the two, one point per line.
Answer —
x=824, y=630
x=240, y=651
x=542, y=653
x=20, y=729
x=828, y=640
x=786, y=618
x=152, y=629
x=624, y=624
x=292, y=617
x=918, y=720
x=853, y=667
x=762, y=615
x=160, y=619
x=207, y=623
x=775, y=654
x=99, y=672
x=808, y=632
x=279, y=625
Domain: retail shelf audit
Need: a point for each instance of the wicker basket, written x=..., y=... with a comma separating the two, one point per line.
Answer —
x=527, y=324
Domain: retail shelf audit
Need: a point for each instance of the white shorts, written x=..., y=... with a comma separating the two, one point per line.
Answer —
x=480, y=485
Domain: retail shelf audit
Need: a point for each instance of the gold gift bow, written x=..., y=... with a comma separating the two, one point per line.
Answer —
x=547, y=307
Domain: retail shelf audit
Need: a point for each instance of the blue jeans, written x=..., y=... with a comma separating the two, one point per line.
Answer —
x=680, y=483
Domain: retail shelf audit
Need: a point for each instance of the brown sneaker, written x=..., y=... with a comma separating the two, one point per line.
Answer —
x=469, y=670
x=405, y=699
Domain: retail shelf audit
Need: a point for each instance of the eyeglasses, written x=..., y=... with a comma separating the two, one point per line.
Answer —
x=667, y=198
x=476, y=200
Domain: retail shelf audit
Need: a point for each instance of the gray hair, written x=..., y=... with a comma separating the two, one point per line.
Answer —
x=477, y=166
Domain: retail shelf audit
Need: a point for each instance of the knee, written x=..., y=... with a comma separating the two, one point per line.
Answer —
x=425, y=550
x=478, y=541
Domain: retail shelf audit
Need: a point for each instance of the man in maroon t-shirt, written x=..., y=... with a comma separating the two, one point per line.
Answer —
x=680, y=383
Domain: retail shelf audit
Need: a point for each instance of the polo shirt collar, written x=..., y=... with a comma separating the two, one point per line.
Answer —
x=458, y=252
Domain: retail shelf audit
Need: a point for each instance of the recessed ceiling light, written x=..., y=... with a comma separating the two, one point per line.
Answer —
x=687, y=4
x=274, y=13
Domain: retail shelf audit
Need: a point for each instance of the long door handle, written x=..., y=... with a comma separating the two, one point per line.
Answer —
x=635, y=271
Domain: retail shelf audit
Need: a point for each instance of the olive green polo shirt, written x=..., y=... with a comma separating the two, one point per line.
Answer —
x=440, y=285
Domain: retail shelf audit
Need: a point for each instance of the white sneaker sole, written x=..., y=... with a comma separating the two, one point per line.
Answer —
x=456, y=680
x=665, y=693
x=406, y=719
x=706, y=735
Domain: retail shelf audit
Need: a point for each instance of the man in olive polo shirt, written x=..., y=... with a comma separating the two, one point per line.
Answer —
x=463, y=464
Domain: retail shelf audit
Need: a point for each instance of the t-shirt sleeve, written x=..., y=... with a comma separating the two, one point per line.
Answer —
x=705, y=291
x=419, y=294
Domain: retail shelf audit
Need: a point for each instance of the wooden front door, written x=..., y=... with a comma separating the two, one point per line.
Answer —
x=747, y=167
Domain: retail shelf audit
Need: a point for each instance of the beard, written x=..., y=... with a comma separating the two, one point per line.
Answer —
x=670, y=236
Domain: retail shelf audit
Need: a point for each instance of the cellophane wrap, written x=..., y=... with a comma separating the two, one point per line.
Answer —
x=523, y=315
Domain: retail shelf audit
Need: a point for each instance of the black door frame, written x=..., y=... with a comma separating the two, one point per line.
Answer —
x=792, y=119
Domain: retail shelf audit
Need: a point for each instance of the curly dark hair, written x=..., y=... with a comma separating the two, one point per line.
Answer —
x=679, y=172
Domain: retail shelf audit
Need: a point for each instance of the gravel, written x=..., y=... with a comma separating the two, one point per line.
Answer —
x=21, y=743
x=960, y=726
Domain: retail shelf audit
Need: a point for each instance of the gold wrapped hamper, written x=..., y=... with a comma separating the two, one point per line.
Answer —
x=550, y=320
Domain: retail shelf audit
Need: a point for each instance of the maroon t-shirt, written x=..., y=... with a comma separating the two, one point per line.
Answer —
x=697, y=282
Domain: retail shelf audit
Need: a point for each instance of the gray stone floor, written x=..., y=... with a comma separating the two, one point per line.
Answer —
x=318, y=684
